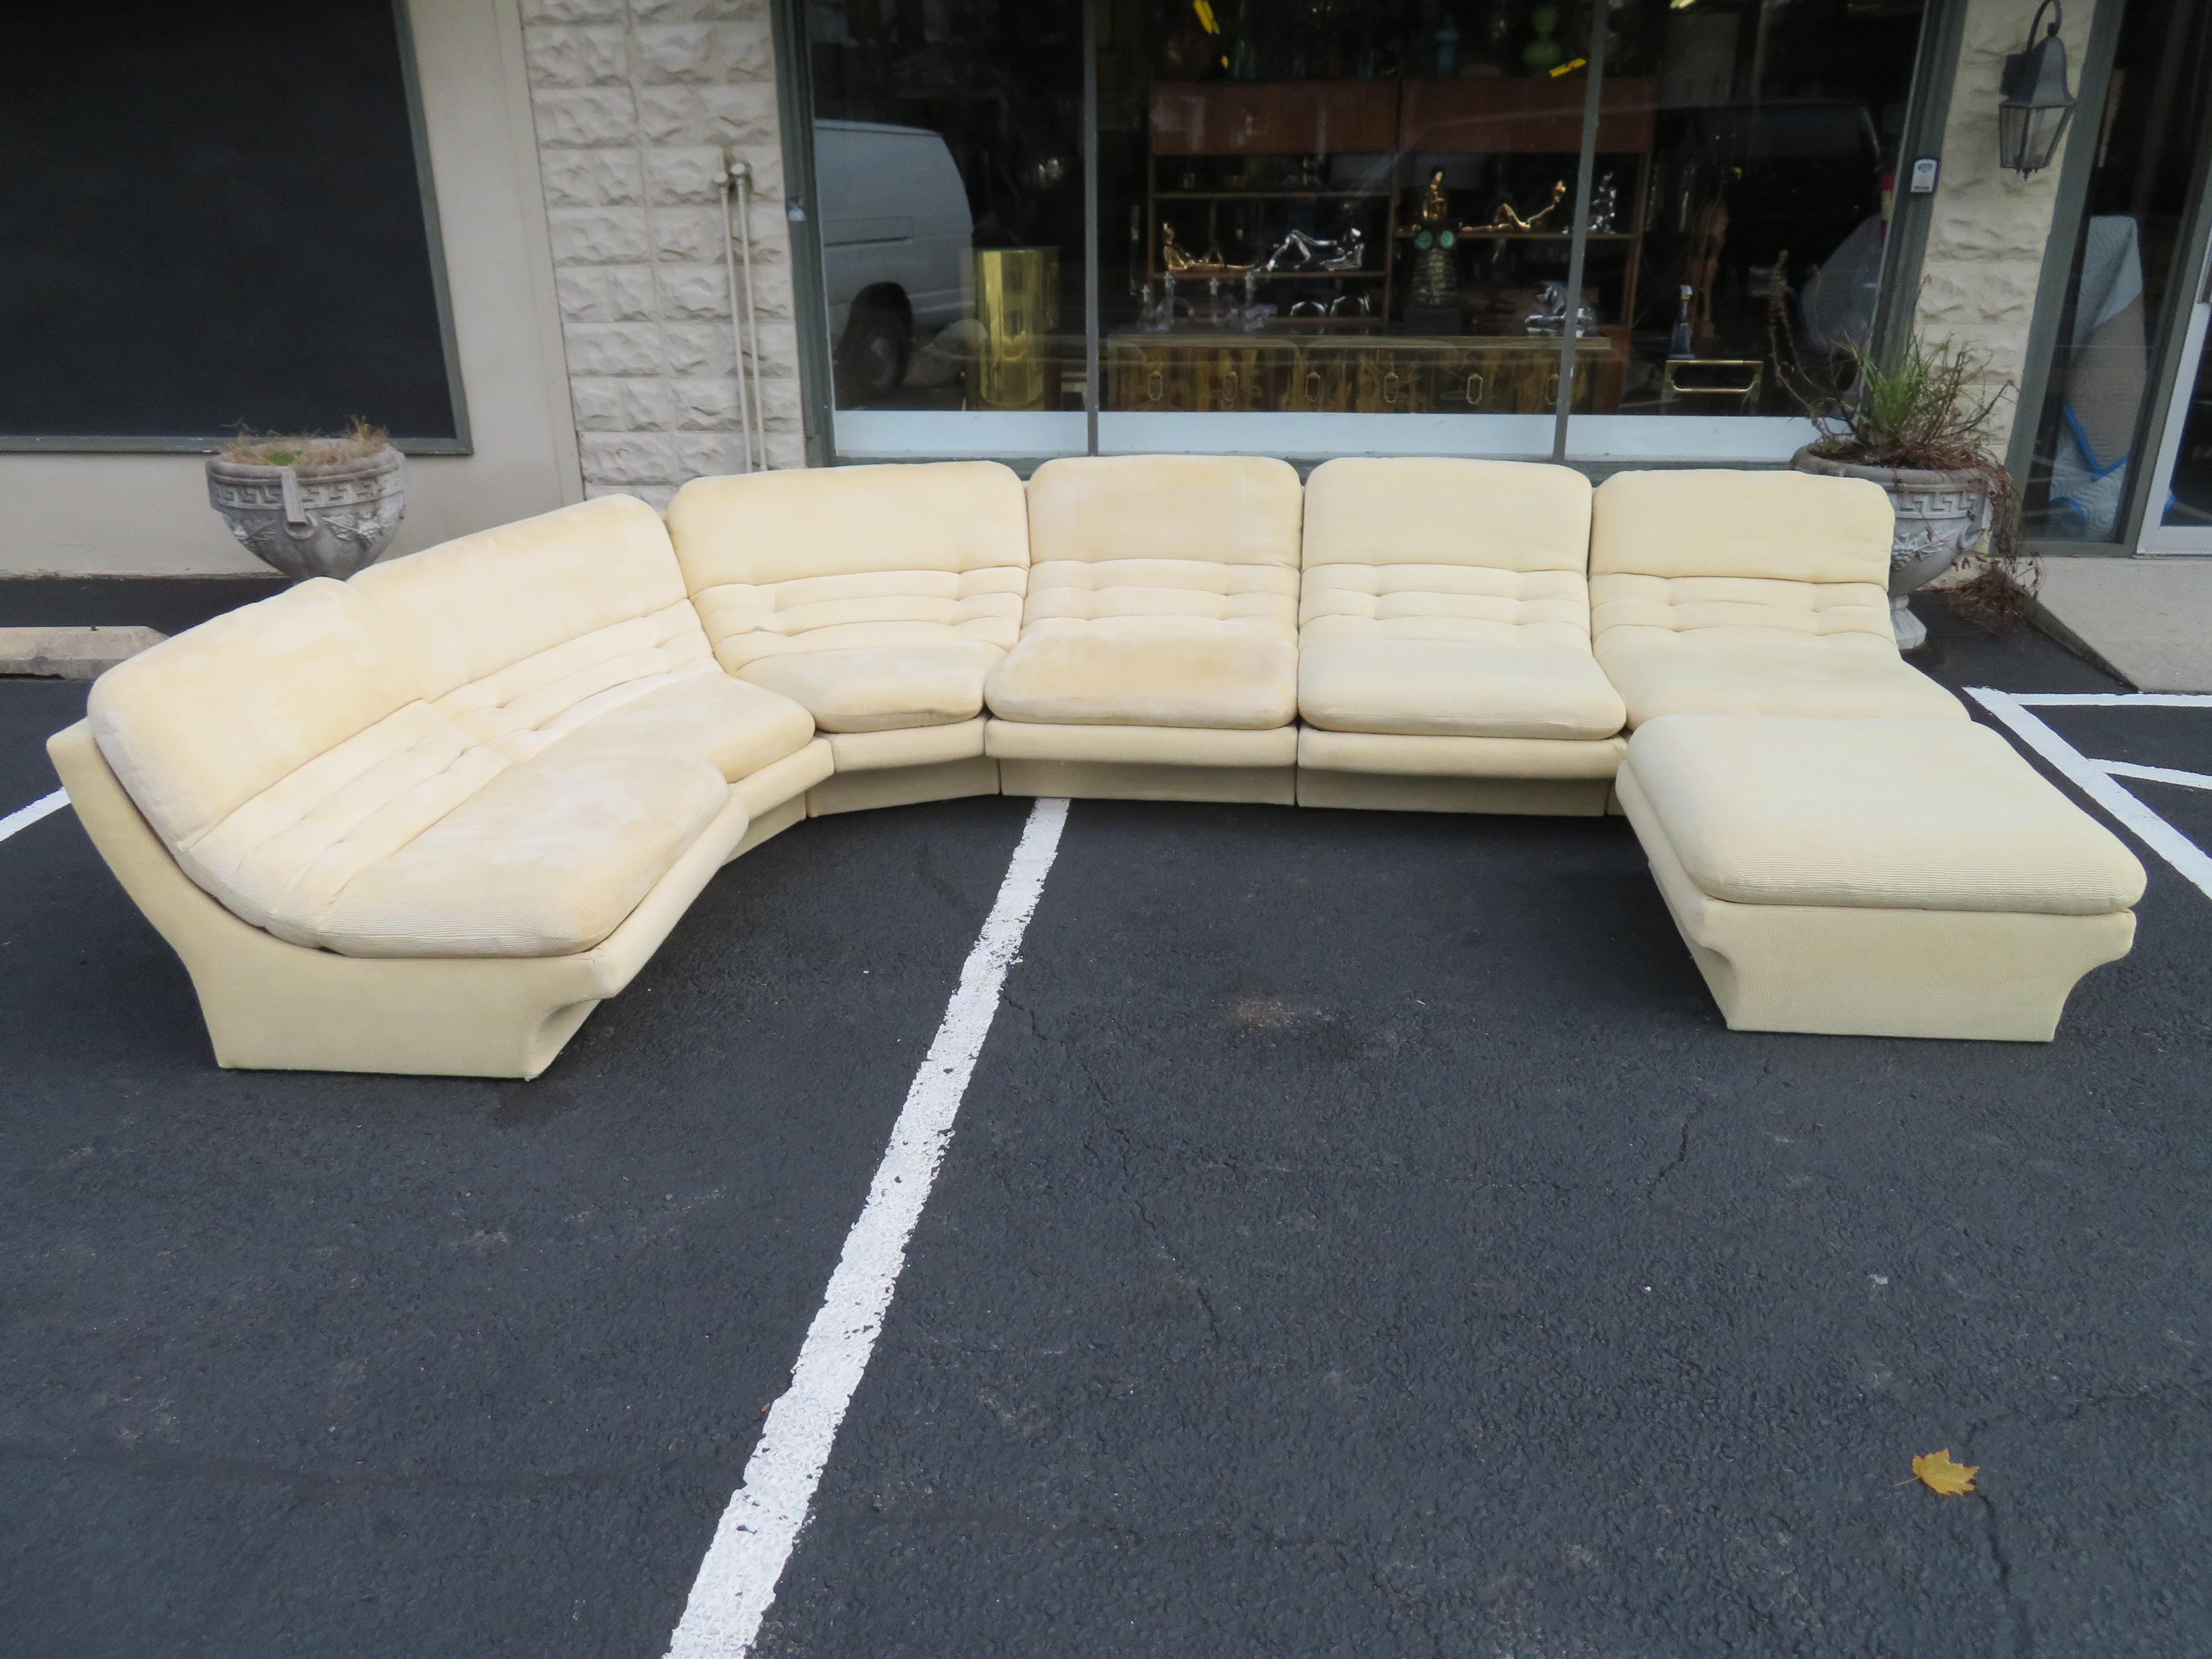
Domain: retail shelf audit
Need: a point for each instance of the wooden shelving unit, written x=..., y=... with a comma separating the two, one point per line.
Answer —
x=1192, y=122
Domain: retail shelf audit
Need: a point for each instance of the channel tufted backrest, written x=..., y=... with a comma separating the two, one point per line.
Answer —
x=1779, y=552
x=854, y=558
x=281, y=748
x=1443, y=549
x=522, y=633
x=1164, y=544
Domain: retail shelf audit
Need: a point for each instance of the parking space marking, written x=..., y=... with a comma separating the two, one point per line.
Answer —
x=2154, y=773
x=2095, y=778
x=24, y=817
x=738, y=1579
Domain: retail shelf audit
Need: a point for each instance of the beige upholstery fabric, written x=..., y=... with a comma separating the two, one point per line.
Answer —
x=1457, y=758
x=879, y=597
x=1265, y=785
x=1385, y=792
x=419, y=762
x=524, y=633
x=544, y=860
x=903, y=785
x=1447, y=599
x=1144, y=746
x=1883, y=814
x=1995, y=975
x=918, y=745
x=1721, y=592
x=1163, y=591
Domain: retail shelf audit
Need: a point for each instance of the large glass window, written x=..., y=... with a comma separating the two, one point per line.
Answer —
x=1338, y=226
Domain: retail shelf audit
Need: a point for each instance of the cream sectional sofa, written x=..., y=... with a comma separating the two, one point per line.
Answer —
x=425, y=820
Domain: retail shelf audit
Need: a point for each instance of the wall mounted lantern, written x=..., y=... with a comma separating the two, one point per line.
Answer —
x=2033, y=106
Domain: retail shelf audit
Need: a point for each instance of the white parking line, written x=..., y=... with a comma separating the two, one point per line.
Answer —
x=738, y=1579
x=2154, y=773
x=2093, y=778
x=24, y=817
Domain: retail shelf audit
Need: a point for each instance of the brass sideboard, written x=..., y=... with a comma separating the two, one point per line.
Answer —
x=1194, y=371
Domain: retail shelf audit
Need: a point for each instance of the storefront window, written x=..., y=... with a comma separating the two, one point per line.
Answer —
x=948, y=145
x=1330, y=226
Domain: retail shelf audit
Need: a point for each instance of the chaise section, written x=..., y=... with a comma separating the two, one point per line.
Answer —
x=878, y=597
x=1444, y=661
x=1892, y=877
x=1158, y=652
x=1723, y=592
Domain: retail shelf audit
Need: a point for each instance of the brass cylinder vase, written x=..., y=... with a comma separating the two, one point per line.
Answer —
x=1018, y=303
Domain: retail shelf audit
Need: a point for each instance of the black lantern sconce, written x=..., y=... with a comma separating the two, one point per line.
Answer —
x=2033, y=106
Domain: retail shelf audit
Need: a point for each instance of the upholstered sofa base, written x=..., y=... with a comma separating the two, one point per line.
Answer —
x=1566, y=798
x=903, y=785
x=1850, y=971
x=273, y=1006
x=1267, y=786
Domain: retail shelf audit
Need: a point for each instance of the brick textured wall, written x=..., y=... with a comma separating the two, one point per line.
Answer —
x=1985, y=242
x=634, y=100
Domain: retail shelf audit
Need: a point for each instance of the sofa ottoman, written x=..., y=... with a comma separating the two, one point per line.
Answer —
x=1875, y=877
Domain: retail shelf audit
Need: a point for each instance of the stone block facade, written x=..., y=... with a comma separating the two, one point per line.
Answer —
x=1985, y=243
x=636, y=102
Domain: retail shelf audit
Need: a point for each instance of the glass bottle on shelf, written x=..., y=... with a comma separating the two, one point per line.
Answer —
x=1682, y=345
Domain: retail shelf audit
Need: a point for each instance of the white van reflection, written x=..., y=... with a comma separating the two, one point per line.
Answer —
x=896, y=236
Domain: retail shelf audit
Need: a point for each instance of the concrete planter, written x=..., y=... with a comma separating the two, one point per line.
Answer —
x=312, y=520
x=1939, y=514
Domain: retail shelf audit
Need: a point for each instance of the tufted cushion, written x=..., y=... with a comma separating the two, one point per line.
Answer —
x=1163, y=591
x=1716, y=592
x=905, y=582
x=1902, y=814
x=1452, y=687
x=889, y=688
x=492, y=748
x=1446, y=599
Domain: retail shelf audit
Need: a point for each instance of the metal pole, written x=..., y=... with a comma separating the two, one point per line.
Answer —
x=1570, y=332
x=1090, y=227
x=730, y=166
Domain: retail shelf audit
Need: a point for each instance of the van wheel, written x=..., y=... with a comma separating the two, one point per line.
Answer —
x=871, y=360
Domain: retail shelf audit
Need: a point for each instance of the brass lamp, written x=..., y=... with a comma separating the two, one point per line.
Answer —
x=2033, y=106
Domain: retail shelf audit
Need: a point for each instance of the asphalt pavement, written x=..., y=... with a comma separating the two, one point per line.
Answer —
x=1361, y=1237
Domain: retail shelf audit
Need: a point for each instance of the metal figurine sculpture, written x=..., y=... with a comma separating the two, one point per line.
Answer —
x=1348, y=252
x=1506, y=219
x=1436, y=277
x=1181, y=262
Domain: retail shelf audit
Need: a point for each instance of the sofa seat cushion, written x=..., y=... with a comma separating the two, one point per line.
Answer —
x=1723, y=671
x=1147, y=675
x=1458, y=688
x=1879, y=814
x=545, y=859
x=734, y=728
x=883, y=689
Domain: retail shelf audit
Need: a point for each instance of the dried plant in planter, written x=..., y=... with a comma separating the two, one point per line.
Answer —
x=1927, y=413
x=303, y=450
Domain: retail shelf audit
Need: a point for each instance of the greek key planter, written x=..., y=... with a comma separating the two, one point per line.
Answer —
x=312, y=521
x=1939, y=514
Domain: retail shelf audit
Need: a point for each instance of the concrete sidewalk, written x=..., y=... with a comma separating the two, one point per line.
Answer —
x=2149, y=620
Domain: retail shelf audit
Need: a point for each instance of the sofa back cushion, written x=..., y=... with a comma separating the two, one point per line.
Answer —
x=523, y=633
x=1491, y=551
x=284, y=745
x=1192, y=544
x=1781, y=552
x=854, y=558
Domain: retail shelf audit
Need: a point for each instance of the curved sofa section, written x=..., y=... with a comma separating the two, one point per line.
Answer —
x=424, y=820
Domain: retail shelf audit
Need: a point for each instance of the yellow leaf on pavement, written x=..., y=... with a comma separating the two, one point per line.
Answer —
x=1938, y=1473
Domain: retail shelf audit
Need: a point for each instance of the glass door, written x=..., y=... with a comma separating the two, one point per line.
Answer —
x=2180, y=516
